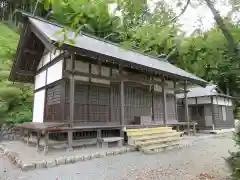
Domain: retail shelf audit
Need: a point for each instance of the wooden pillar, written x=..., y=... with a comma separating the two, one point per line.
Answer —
x=71, y=101
x=46, y=138
x=186, y=107
x=152, y=92
x=122, y=104
x=62, y=100
x=213, y=114
x=111, y=99
x=175, y=98
x=164, y=102
x=71, y=93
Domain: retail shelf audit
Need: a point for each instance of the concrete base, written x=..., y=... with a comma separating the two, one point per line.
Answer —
x=219, y=131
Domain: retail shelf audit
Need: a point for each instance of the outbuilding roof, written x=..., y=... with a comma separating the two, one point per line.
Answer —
x=87, y=44
x=198, y=91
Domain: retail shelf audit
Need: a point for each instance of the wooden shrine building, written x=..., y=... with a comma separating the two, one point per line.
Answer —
x=209, y=107
x=94, y=82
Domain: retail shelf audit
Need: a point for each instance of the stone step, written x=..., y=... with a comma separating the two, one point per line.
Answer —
x=158, y=148
x=156, y=136
x=143, y=133
x=159, y=141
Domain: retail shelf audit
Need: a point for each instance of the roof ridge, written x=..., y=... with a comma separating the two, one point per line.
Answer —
x=94, y=37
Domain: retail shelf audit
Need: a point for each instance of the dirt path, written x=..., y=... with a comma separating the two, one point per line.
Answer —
x=203, y=161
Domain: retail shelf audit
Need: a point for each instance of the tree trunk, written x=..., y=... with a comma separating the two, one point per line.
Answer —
x=222, y=26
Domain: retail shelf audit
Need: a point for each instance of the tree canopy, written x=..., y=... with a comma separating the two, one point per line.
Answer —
x=149, y=28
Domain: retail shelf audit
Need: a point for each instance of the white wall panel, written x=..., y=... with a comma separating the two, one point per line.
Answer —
x=40, y=80
x=55, y=54
x=105, y=71
x=48, y=57
x=170, y=84
x=80, y=66
x=203, y=100
x=221, y=101
x=214, y=100
x=157, y=88
x=55, y=72
x=38, y=106
x=191, y=101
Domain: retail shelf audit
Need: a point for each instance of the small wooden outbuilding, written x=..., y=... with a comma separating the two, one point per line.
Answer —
x=209, y=107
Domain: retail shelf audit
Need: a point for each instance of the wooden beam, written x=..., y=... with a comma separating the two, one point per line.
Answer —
x=25, y=72
x=164, y=102
x=115, y=78
x=186, y=107
x=32, y=52
x=47, y=43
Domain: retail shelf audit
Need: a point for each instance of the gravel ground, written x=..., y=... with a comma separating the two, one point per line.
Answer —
x=203, y=161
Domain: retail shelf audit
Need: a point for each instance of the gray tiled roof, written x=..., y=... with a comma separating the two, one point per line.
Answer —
x=92, y=44
x=198, y=91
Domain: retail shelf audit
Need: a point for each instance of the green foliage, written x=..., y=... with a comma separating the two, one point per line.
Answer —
x=238, y=113
x=205, y=54
x=15, y=99
x=234, y=159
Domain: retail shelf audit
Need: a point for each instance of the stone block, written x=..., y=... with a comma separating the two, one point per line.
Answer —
x=28, y=167
x=109, y=153
x=50, y=163
x=1, y=147
x=102, y=154
x=41, y=164
x=122, y=151
x=116, y=152
x=70, y=159
x=87, y=157
x=95, y=155
x=60, y=161
x=129, y=149
x=79, y=158
x=5, y=151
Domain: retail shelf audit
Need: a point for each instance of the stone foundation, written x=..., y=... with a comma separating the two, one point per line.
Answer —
x=14, y=158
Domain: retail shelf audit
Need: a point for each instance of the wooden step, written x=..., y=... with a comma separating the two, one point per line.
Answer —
x=147, y=129
x=143, y=133
x=158, y=148
x=159, y=141
x=157, y=136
